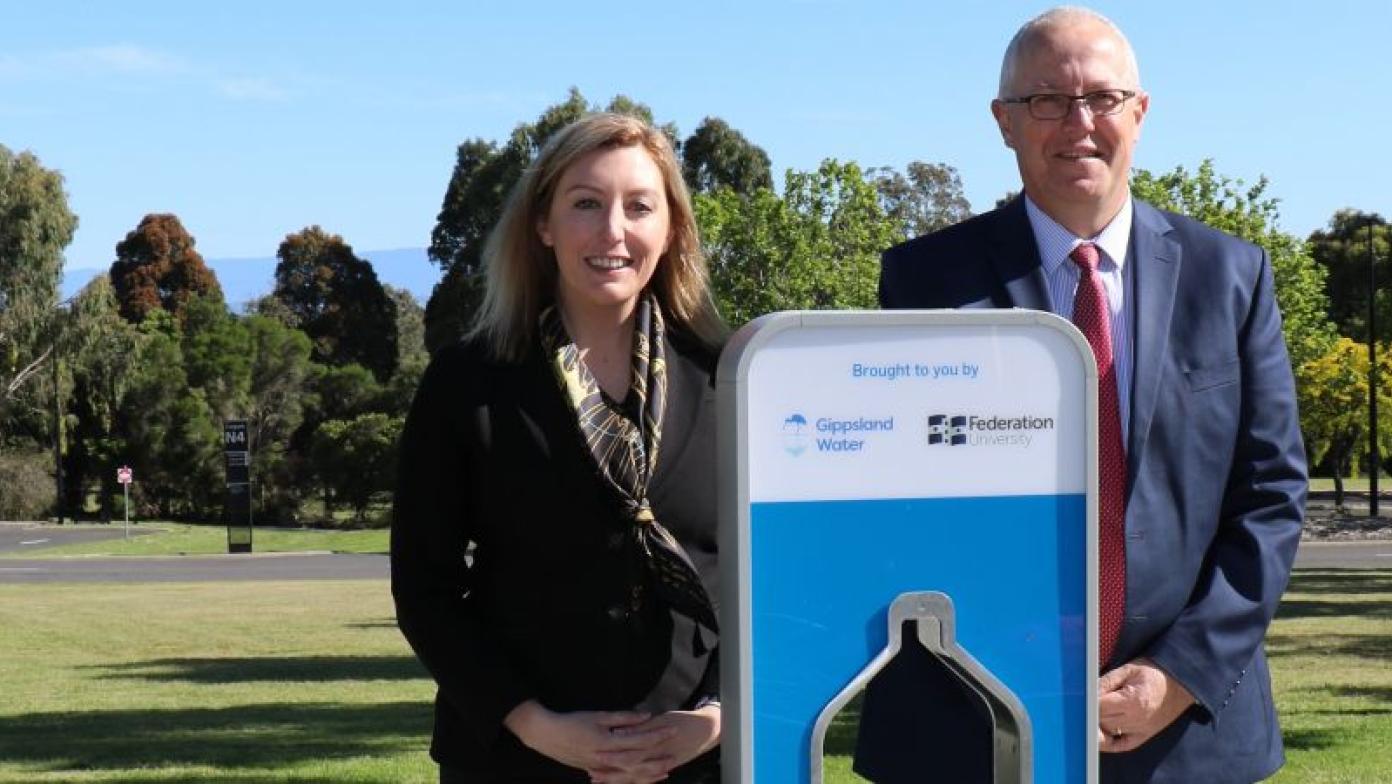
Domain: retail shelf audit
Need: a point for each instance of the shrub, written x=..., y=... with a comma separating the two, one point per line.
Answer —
x=27, y=489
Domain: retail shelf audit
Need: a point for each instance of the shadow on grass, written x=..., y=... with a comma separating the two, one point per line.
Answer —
x=240, y=737
x=1381, y=694
x=1311, y=739
x=1318, y=589
x=1367, y=646
x=271, y=668
x=845, y=726
x=1336, y=593
x=1301, y=608
x=386, y=623
x=223, y=777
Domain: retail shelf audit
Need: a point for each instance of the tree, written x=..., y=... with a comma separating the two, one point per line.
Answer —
x=171, y=436
x=356, y=459
x=1342, y=250
x=337, y=300
x=410, y=323
x=717, y=155
x=102, y=357
x=280, y=376
x=157, y=267
x=1334, y=408
x=1219, y=202
x=410, y=335
x=341, y=393
x=817, y=247
x=928, y=199
x=217, y=354
x=35, y=226
x=268, y=306
x=75, y=331
x=484, y=173
x=26, y=487
x=280, y=372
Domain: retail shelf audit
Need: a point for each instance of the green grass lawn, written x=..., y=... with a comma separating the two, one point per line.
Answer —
x=311, y=682
x=1359, y=483
x=1331, y=660
x=166, y=538
x=209, y=682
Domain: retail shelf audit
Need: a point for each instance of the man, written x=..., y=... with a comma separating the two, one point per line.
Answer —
x=1200, y=510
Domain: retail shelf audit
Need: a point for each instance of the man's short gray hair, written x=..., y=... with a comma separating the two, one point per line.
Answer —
x=1053, y=18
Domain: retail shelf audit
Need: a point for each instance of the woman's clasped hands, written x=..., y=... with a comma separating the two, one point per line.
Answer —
x=618, y=747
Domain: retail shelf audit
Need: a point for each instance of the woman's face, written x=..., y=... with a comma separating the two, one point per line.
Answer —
x=608, y=224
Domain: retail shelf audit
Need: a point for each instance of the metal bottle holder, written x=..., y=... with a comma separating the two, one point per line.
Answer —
x=933, y=616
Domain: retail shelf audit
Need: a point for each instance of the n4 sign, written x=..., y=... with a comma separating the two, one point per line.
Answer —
x=234, y=435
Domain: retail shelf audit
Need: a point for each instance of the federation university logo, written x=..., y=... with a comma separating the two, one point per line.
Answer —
x=795, y=434
x=988, y=430
x=947, y=430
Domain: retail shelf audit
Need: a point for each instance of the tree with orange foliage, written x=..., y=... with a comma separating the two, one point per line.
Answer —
x=157, y=267
x=336, y=299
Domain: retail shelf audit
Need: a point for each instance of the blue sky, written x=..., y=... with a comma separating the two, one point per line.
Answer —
x=251, y=120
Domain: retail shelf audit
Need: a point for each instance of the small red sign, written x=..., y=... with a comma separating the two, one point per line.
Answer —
x=123, y=475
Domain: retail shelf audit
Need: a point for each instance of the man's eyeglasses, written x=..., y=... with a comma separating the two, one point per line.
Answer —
x=1055, y=106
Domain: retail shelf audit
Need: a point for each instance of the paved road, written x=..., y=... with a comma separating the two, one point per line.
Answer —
x=34, y=536
x=195, y=568
x=1375, y=554
x=324, y=566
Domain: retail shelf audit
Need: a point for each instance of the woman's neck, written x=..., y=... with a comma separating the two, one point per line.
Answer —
x=604, y=339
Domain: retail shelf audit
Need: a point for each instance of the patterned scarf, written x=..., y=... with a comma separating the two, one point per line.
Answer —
x=625, y=451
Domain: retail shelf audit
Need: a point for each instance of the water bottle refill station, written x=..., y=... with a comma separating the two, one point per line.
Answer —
x=908, y=482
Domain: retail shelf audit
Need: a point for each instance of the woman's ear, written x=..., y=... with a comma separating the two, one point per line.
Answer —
x=544, y=233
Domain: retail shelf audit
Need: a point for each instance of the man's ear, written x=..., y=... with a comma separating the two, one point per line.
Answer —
x=1002, y=114
x=1141, y=109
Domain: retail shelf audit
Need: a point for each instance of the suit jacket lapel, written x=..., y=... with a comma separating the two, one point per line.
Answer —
x=1015, y=256
x=687, y=387
x=1156, y=260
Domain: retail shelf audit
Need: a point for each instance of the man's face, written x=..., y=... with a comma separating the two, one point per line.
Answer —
x=1075, y=168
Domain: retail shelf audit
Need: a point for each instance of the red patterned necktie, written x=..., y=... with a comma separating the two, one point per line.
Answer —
x=1093, y=318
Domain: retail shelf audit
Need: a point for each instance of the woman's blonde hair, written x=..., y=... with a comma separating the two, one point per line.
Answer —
x=521, y=270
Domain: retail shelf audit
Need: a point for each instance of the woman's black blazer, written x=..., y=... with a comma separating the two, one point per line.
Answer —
x=551, y=607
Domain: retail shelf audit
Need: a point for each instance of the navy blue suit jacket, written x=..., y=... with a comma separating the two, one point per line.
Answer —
x=1216, y=468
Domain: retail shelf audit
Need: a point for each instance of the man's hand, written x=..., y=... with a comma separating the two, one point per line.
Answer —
x=1135, y=702
x=691, y=733
x=583, y=739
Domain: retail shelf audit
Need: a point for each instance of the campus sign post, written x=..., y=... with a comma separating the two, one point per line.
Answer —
x=236, y=451
x=908, y=478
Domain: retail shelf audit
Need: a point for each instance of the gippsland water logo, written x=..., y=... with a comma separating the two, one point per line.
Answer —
x=994, y=430
x=831, y=434
x=795, y=436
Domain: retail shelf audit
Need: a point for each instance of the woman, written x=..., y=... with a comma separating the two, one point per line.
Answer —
x=570, y=439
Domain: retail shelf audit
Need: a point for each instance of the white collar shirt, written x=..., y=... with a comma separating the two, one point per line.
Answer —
x=1055, y=243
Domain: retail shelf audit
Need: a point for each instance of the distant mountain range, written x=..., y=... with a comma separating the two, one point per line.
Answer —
x=243, y=280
